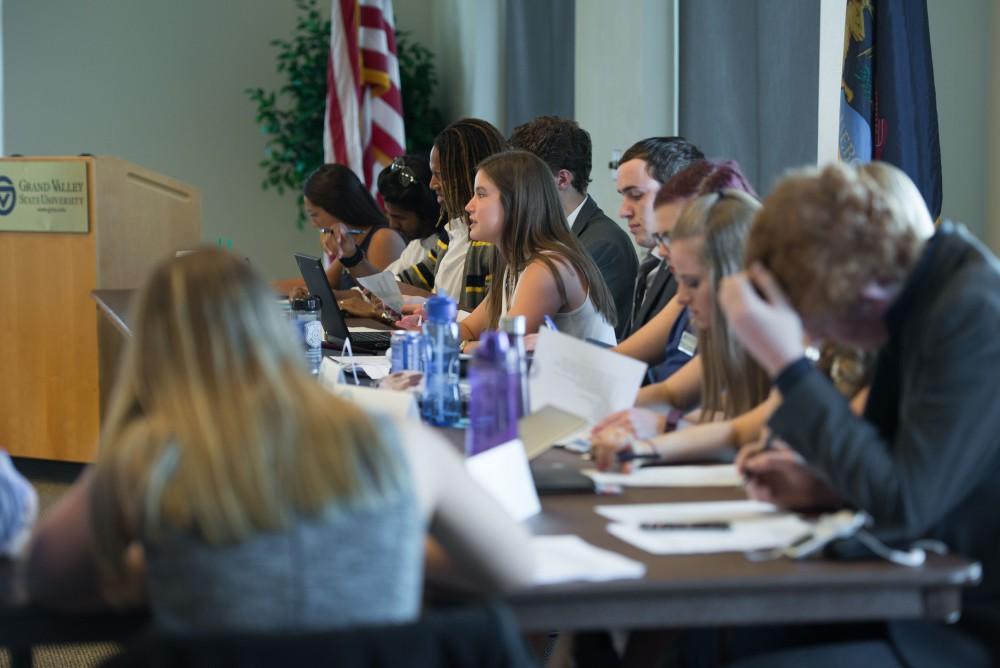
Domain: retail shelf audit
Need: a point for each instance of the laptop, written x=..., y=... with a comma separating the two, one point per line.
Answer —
x=540, y=431
x=333, y=320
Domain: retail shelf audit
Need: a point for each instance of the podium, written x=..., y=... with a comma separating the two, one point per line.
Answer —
x=57, y=358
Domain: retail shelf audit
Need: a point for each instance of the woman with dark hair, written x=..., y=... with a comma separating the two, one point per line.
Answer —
x=411, y=207
x=354, y=233
x=540, y=269
x=457, y=265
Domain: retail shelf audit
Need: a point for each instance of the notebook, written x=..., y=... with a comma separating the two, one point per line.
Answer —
x=333, y=320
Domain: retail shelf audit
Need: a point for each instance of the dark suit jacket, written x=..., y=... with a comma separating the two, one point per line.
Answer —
x=610, y=247
x=925, y=461
x=664, y=287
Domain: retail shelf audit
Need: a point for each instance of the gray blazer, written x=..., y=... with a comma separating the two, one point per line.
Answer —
x=610, y=247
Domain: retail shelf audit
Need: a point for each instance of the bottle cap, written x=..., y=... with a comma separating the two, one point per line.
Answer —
x=493, y=347
x=441, y=308
x=516, y=325
x=310, y=303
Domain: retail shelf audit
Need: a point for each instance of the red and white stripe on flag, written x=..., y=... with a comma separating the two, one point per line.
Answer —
x=363, y=126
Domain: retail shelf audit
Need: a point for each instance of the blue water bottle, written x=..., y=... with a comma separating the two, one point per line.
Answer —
x=496, y=394
x=442, y=404
x=310, y=330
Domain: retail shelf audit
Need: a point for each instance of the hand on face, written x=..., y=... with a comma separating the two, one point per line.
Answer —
x=767, y=326
x=338, y=241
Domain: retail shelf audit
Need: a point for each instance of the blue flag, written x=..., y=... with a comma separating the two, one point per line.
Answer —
x=888, y=108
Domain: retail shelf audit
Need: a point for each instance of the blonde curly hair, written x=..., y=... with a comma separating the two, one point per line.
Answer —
x=826, y=234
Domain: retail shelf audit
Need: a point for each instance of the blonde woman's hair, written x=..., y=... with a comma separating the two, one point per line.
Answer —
x=827, y=233
x=732, y=381
x=215, y=429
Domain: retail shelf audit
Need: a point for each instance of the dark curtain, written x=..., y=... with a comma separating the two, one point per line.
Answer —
x=748, y=83
x=540, y=59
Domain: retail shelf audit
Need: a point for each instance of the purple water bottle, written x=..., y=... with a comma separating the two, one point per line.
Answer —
x=496, y=395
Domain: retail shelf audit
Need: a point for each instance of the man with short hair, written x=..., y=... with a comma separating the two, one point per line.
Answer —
x=850, y=255
x=566, y=149
x=642, y=170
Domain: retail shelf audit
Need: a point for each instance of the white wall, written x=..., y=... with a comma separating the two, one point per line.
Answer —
x=960, y=36
x=160, y=84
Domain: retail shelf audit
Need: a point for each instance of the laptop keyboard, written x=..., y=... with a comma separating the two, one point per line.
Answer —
x=373, y=340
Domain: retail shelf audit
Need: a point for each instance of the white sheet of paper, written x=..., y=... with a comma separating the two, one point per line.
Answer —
x=385, y=287
x=571, y=559
x=331, y=374
x=359, y=330
x=376, y=367
x=581, y=378
x=714, y=475
x=503, y=471
x=400, y=405
x=747, y=534
x=701, y=511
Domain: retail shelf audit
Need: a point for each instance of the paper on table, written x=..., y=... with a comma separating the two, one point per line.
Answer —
x=364, y=329
x=385, y=287
x=714, y=475
x=503, y=471
x=581, y=378
x=400, y=405
x=746, y=534
x=570, y=558
x=376, y=367
x=702, y=511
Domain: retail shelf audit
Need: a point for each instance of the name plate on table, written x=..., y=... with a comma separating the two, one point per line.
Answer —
x=44, y=196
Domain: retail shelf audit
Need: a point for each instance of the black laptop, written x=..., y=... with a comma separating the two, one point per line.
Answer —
x=333, y=320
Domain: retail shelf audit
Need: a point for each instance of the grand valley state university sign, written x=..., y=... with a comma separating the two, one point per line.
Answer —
x=39, y=195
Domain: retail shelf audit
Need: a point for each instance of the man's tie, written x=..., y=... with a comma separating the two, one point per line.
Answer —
x=646, y=267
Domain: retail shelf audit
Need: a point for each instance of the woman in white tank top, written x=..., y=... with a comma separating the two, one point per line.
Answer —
x=540, y=270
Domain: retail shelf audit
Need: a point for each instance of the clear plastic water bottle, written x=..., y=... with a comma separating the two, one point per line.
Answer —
x=496, y=394
x=442, y=404
x=310, y=328
x=515, y=327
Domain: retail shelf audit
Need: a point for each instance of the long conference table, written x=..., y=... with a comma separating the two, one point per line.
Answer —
x=695, y=590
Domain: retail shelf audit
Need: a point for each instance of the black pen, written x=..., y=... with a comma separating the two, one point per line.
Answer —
x=630, y=456
x=684, y=526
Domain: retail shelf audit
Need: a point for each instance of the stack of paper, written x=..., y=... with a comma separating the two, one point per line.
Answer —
x=715, y=475
x=698, y=528
x=570, y=558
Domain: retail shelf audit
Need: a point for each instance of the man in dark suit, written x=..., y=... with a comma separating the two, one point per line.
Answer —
x=565, y=147
x=642, y=170
x=850, y=255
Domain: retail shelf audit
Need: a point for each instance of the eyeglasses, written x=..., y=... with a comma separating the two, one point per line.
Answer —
x=406, y=176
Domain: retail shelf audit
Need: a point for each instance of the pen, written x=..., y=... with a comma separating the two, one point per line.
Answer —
x=357, y=233
x=551, y=325
x=684, y=526
x=630, y=456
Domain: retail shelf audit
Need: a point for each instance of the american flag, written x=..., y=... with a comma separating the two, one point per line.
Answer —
x=363, y=126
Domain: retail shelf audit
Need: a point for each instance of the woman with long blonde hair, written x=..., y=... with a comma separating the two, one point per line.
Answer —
x=257, y=499
x=706, y=245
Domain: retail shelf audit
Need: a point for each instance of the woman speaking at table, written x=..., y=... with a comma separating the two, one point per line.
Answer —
x=541, y=269
x=240, y=495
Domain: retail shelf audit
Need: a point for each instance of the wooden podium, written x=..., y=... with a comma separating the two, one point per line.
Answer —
x=56, y=357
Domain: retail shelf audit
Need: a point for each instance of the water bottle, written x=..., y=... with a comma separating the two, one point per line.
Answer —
x=496, y=394
x=442, y=404
x=515, y=327
x=310, y=329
